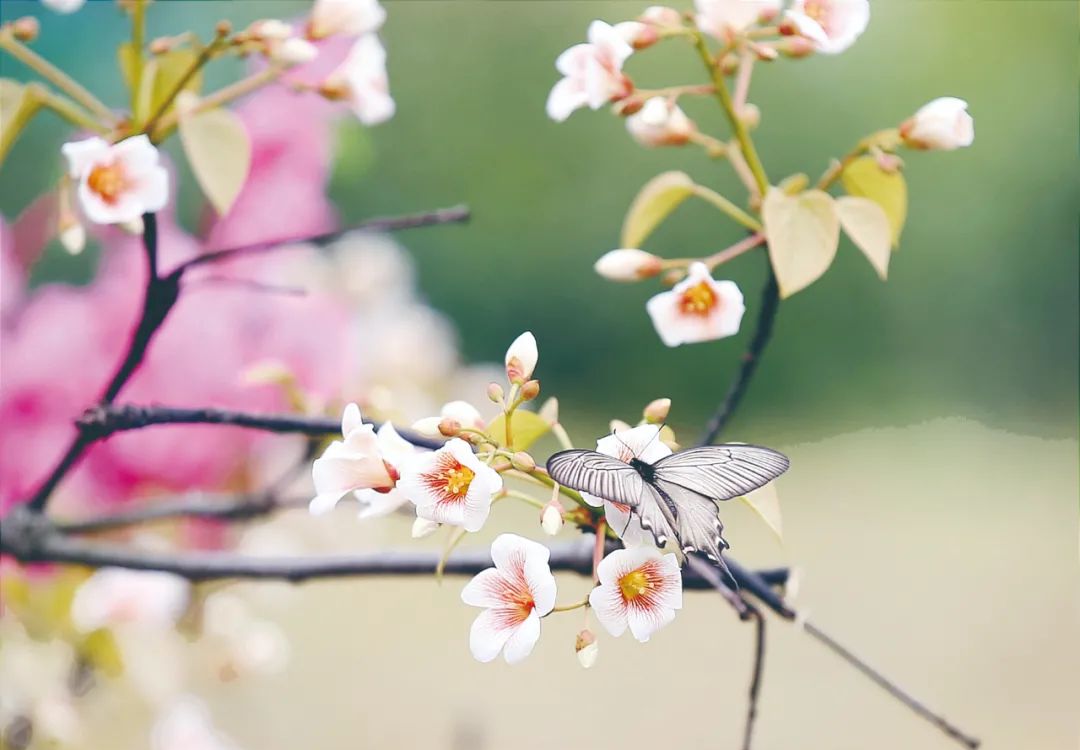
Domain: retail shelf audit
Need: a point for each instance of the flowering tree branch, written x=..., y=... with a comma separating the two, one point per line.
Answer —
x=160, y=295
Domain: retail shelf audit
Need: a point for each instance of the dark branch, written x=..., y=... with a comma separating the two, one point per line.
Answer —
x=755, y=678
x=382, y=224
x=160, y=295
x=892, y=688
x=101, y=421
x=770, y=303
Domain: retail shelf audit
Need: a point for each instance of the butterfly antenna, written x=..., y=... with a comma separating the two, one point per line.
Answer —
x=655, y=435
x=624, y=445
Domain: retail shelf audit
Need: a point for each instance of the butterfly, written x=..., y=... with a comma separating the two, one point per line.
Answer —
x=677, y=496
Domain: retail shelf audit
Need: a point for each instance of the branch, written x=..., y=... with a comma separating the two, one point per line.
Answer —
x=161, y=294
x=99, y=422
x=770, y=304
x=382, y=224
x=29, y=537
x=755, y=677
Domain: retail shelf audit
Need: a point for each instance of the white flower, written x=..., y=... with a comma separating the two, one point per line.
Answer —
x=593, y=73
x=639, y=587
x=660, y=122
x=628, y=264
x=698, y=308
x=832, y=25
x=362, y=82
x=186, y=725
x=521, y=358
x=117, y=183
x=349, y=17
x=355, y=463
x=515, y=594
x=63, y=6
x=624, y=444
x=725, y=19
x=942, y=125
x=115, y=596
x=451, y=485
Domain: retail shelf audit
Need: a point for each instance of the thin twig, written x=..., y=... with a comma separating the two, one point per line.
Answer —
x=453, y=214
x=770, y=303
x=892, y=688
x=101, y=421
x=755, y=678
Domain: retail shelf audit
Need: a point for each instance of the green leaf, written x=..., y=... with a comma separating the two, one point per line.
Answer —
x=863, y=178
x=803, y=232
x=766, y=503
x=125, y=57
x=654, y=202
x=171, y=68
x=527, y=428
x=868, y=227
x=11, y=94
x=100, y=649
x=218, y=148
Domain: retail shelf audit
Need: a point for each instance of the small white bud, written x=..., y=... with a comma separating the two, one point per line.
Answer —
x=422, y=527
x=628, y=264
x=73, y=238
x=428, y=426
x=521, y=358
x=942, y=125
x=551, y=519
x=294, y=51
x=587, y=649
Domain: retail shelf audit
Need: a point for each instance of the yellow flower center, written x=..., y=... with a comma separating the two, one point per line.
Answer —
x=699, y=299
x=634, y=584
x=108, y=181
x=458, y=478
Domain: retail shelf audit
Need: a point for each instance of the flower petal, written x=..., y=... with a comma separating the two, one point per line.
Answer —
x=488, y=635
x=523, y=639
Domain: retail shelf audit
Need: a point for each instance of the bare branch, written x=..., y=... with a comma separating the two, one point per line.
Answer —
x=770, y=304
x=755, y=675
x=101, y=421
x=382, y=224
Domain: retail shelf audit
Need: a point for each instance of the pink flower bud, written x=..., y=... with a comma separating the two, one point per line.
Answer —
x=522, y=461
x=657, y=411
x=660, y=123
x=495, y=393
x=521, y=358
x=586, y=648
x=942, y=125
x=530, y=390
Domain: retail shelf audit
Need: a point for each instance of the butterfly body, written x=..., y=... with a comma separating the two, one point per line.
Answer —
x=677, y=496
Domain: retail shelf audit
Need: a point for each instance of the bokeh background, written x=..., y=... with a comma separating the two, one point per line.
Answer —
x=931, y=420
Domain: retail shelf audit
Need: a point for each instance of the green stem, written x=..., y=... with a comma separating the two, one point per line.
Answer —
x=35, y=97
x=571, y=607
x=222, y=96
x=737, y=125
x=138, y=40
x=524, y=498
x=205, y=55
x=728, y=207
x=832, y=174
x=55, y=76
x=540, y=476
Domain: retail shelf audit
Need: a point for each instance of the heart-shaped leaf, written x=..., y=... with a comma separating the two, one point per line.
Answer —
x=766, y=503
x=803, y=232
x=654, y=202
x=526, y=426
x=218, y=148
x=864, y=178
x=868, y=227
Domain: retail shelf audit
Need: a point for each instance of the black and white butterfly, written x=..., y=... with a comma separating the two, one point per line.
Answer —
x=675, y=497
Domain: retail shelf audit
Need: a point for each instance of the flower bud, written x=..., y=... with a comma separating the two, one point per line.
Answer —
x=522, y=461
x=795, y=46
x=617, y=425
x=449, y=427
x=660, y=122
x=628, y=106
x=270, y=29
x=942, y=125
x=530, y=390
x=729, y=63
x=495, y=392
x=628, y=264
x=765, y=52
x=422, y=527
x=73, y=238
x=657, y=411
x=223, y=28
x=661, y=15
x=294, y=51
x=427, y=426
x=25, y=29
x=889, y=163
x=586, y=648
x=750, y=114
x=161, y=45
x=521, y=358
x=551, y=518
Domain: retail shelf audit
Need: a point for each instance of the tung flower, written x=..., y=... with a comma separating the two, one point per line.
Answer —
x=725, y=19
x=832, y=25
x=117, y=183
x=348, y=17
x=116, y=596
x=451, y=485
x=660, y=122
x=942, y=125
x=361, y=81
x=515, y=594
x=593, y=73
x=354, y=463
x=696, y=309
x=640, y=588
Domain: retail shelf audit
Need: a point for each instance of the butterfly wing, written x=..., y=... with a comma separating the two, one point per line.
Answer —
x=722, y=472
x=597, y=474
x=695, y=480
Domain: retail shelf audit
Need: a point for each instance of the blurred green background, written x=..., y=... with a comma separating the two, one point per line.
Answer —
x=943, y=549
x=978, y=318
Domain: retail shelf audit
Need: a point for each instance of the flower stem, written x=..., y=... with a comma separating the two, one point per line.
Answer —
x=727, y=207
x=55, y=76
x=598, y=548
x=524, y=498
x=138, y=39
x=737, y=125
x=206, y=54
x=571, y=607
x=222, y=96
